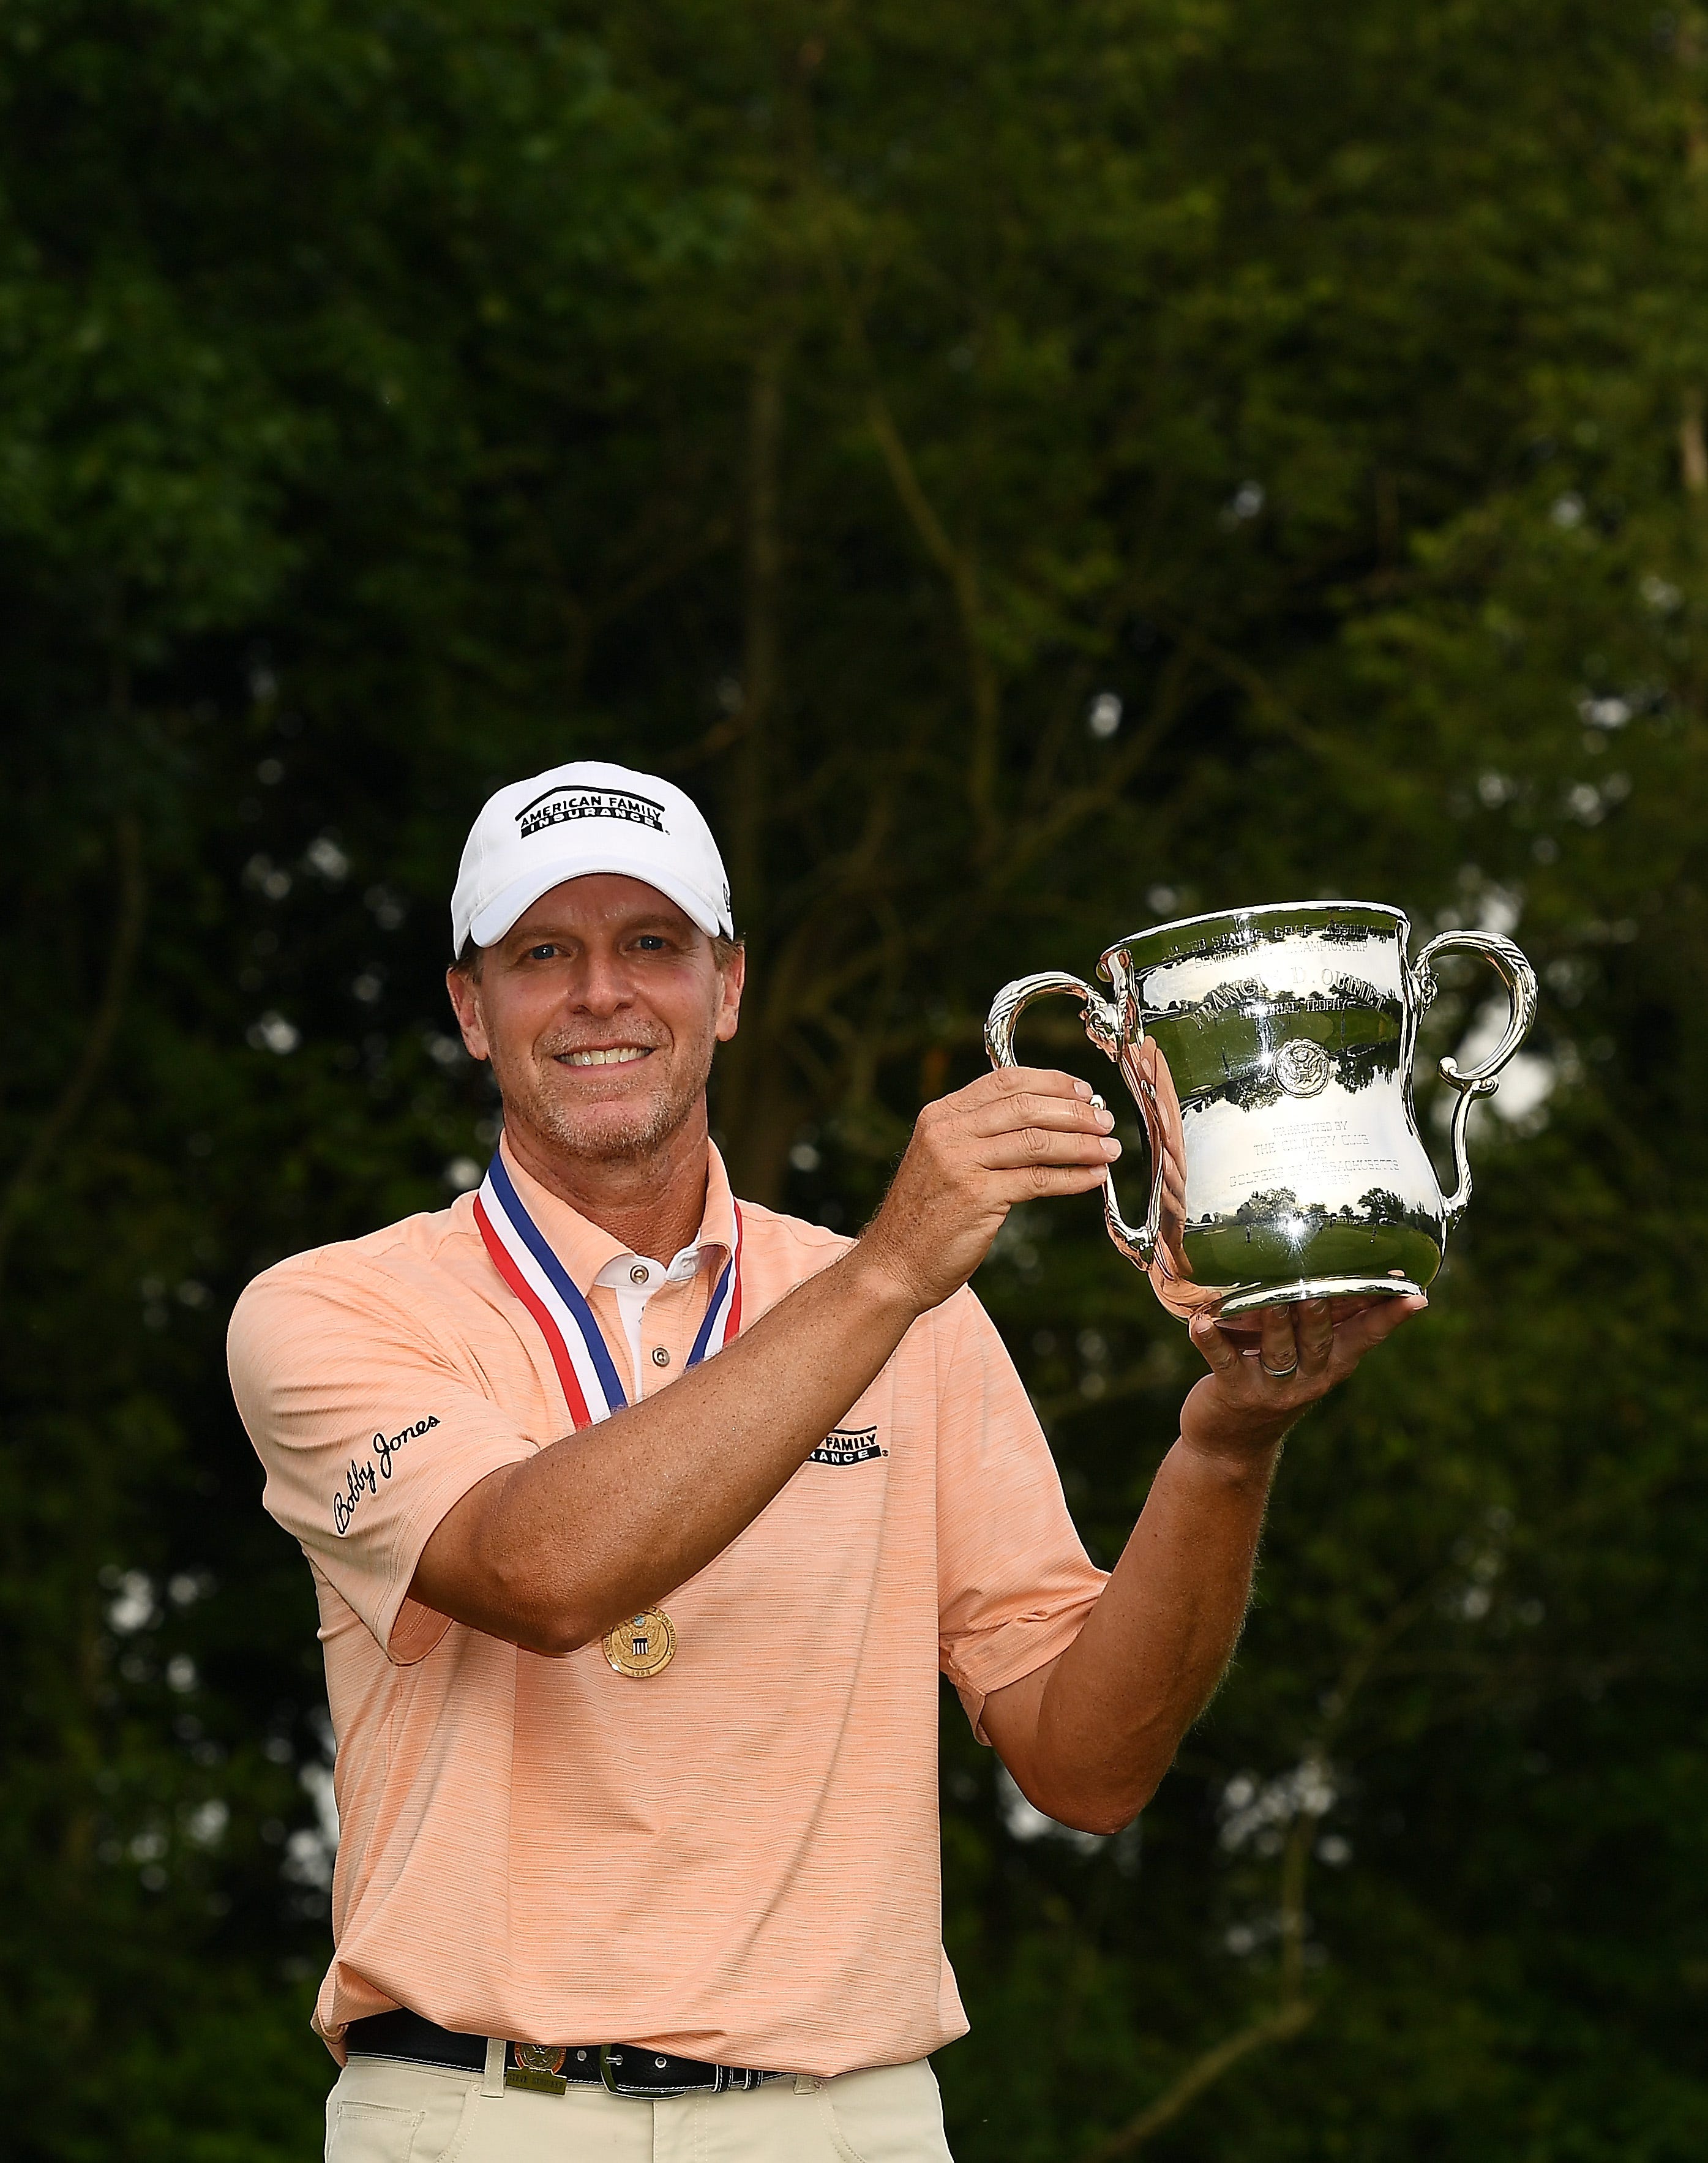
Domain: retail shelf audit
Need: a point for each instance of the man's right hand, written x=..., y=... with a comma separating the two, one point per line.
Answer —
x=1015, y=1135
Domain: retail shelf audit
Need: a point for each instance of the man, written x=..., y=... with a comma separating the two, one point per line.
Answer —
x=643, y=1521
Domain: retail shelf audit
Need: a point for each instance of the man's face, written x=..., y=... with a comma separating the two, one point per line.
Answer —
x=600, y=1010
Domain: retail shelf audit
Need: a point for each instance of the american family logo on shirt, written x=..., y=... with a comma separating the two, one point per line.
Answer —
x=558, y=806
x=848, y=1446
x=364, y=1476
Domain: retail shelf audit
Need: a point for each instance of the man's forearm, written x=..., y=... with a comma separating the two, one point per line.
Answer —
x=549, y=1552
x=1089, y=1736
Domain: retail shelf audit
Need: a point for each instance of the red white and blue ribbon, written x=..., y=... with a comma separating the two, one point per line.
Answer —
x=524, y=1258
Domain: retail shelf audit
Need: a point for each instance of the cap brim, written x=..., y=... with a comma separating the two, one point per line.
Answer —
x=488, y=924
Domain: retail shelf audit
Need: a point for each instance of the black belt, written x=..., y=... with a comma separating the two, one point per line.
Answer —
x=625, y=2069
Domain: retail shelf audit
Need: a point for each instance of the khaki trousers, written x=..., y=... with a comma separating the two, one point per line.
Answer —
x=381, y=2111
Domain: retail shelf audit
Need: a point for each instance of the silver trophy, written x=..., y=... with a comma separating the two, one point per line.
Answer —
x=1270, y=1052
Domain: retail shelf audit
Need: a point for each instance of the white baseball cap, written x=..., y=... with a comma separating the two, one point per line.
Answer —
x=585, y=817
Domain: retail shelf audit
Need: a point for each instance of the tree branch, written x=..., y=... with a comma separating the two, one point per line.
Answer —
x=755, y=1096
x=957, y=564
x=961, y=571
x=1286, y=2022
x=62, y=1116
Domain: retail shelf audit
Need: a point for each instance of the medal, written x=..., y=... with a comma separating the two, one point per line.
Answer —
x=587, y=1373
x=643, y=1644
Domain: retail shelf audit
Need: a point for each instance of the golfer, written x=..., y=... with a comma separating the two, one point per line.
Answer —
x=643, y=1521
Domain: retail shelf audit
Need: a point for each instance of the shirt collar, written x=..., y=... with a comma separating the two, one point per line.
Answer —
x=585, y=1249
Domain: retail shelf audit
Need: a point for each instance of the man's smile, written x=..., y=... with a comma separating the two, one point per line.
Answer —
x=614, y=1054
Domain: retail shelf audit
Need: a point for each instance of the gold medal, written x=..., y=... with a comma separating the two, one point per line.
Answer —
x=642, y=1644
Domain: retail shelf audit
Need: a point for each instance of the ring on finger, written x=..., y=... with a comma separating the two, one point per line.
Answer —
x=1277, y=1374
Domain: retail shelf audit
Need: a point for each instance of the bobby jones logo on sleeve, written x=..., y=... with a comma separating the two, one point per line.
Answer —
x=558, y=807
x=364, y=1475
x=848, y=1446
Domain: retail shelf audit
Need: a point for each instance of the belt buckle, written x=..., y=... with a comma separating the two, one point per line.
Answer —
x=538, y=2066
x=610, y=2059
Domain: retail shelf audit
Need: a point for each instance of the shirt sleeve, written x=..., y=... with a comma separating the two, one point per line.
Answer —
x=1015, y=1584
x=369, y=1428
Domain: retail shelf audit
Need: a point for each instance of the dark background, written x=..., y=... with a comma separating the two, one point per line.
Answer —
x=1030, y=471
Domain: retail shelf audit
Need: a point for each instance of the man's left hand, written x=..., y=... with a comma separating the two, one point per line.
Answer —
x=1260, y=1383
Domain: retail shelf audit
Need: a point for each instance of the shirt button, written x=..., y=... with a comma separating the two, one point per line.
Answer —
x=661, y=1358
x=639, y=1273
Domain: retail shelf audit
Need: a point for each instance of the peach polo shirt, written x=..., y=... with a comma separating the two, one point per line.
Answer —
x=736, y=1858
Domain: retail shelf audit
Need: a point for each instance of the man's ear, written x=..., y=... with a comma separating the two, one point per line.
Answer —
x=465, y=1002
x=732, y=975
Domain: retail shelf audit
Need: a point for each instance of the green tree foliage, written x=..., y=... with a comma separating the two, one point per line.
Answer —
x=1031, y=472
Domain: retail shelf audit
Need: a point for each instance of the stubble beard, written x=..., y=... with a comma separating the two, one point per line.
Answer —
x=607, y=1133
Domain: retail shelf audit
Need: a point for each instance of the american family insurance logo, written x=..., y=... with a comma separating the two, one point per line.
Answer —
x=847, y=1446
x=561, y=807
x=365, y=1474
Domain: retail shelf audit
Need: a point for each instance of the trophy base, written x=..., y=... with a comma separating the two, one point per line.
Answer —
x=1258, y=1296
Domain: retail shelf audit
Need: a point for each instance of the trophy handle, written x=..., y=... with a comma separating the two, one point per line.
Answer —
x=1518, y=976
x=1103, y=1025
